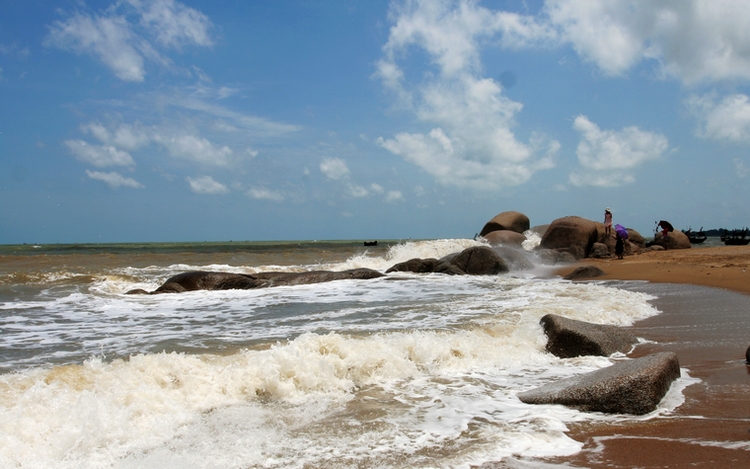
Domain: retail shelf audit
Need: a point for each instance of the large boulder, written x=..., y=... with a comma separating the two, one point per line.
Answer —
x=627, y=387
x=511, y=221
x=600, y=251
x=636, y=238
x=674, y=240
x=480, y=260
x=552, y=257
x=504, y=238
x=567, y=338
x=571, y=234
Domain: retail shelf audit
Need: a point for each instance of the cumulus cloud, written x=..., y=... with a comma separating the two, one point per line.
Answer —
x=124, y=136
x=608, y=157
x=692, y=40
x=472, y=143
x=334, y=168
x=114, y=180
x=265, y=194
x=393, y=197
x=128, y=33
x=195, y=148
x=726, y=119
x=206, y=185
x=99, y=155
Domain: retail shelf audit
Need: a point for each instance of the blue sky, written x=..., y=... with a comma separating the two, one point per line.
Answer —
x=161, y=120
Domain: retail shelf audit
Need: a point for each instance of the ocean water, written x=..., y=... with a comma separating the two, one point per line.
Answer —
x=407, y=370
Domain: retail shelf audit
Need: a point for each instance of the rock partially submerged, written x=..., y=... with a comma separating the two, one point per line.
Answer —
x=476, y=260
x=201, y=280
x=567, y=338
x=585, y=272
x=627, y=387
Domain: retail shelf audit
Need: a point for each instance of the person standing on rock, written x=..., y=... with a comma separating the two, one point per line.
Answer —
x=607, y=221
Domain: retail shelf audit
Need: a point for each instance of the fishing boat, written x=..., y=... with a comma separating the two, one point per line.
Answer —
x=695, y=237
x=371, y=243
x=736, y=237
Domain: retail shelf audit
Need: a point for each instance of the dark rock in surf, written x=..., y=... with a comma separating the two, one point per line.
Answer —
x=627, y=387
x=567, y=338
x=585, y=272
x=415, y=265
x=514, y=258
x=480, y=260
x=201, y=280
x=747, y=356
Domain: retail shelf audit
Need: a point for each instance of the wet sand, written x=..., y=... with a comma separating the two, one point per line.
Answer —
x=709, y=330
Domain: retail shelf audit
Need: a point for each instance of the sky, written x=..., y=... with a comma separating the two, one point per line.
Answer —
x=193, y=120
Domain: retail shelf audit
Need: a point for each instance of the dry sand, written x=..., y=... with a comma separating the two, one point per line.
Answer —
x=709, y=329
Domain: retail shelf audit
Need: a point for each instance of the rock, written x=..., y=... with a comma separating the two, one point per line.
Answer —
x=674, y=240
x=511, y=221
x=572, y=234
x=415, y=265
x=585, y=272
x=567, y=338
x=636, y=238
x=480, y=260
x=201, y=280
x=514, y=259
x=599, y=251
x=747, y=355
x=275, y=279
x=552, y=257
x=504, y=238
x=627, y=387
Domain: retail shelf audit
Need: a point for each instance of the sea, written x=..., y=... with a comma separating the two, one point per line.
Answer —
x=403, y=371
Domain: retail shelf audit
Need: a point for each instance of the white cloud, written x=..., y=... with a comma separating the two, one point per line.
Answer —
x=266, y=194
x=728, y=119
x=109, y=38
x=114, y=180
x=609, y=157
x=472, y=143
x=206, y=185
x=393, y=197
x=99, y=155
x=693, y=40
x=173, y=23
x=376, y=188
x=129, y=137
x=120, y=36
x=358, y=191
x=195, y=148
x=334, y=168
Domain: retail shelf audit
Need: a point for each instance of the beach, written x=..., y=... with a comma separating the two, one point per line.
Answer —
x=405, y=370
x=707, y=324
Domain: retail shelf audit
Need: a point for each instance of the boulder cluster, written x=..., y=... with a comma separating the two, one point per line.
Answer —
x=572, y=238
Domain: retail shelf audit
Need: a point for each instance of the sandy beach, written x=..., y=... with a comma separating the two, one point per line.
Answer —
x=709, y=329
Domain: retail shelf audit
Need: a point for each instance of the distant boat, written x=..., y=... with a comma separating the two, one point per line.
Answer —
x=371, y=243
x=736, y=237
x=695, y=237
